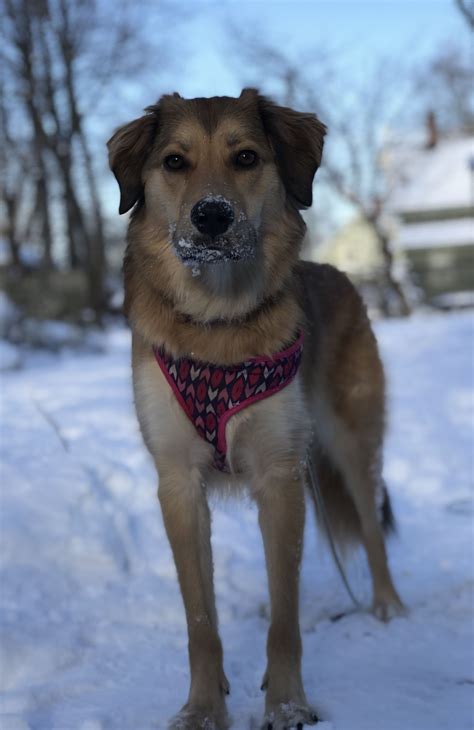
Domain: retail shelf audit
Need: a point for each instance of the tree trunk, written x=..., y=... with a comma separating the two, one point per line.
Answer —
x=13, y=243
x=96, y=241
x=24, y=45
x=97, y=250
x=78, y=235
x=46, y=234
x=390, y=286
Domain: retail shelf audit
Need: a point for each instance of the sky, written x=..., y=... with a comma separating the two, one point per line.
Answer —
x=208, y=64
x=204, y=58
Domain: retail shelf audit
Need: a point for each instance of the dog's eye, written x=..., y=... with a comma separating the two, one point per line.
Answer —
x=174, y=162
x=246, y=158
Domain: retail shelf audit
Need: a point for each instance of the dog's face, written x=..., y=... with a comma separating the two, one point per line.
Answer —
x=214, y=172
x=210, y=176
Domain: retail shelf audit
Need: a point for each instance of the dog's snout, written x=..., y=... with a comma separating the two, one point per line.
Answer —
x=212, y=217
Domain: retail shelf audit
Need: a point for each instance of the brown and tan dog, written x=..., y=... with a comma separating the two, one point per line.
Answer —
x=212, y=273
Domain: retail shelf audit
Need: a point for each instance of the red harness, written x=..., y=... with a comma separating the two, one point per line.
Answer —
x=210, y=394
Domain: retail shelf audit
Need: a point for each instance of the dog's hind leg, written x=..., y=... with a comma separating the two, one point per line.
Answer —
x=365, y=488
x=187, y=522
x=348, y=468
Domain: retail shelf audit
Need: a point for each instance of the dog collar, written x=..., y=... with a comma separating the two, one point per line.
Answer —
x=210, y=394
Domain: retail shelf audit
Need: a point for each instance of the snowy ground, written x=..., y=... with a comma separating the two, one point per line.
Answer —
x=93, y=628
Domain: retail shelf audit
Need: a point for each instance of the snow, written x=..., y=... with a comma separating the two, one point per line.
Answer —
x=8, y=312
x=454, y=300
x=93, y=626
x=436, y=234
x=434, y=179
x=237, y=246
x=210, y=198
x=9, y=356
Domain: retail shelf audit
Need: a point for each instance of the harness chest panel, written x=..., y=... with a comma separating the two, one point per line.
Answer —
x=210, y=394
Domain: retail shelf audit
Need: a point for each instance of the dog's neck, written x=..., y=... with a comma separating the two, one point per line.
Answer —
x=263, y=331
x=246, y=318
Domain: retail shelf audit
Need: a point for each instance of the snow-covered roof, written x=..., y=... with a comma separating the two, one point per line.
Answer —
x=434, y=234
x=435, y=179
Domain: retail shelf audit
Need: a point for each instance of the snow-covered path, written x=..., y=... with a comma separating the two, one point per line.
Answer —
x=93, y=627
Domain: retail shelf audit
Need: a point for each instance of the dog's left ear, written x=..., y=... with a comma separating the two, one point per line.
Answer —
x=128, y=149
x=297, y=139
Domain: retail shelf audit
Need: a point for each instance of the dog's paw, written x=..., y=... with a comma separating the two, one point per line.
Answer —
x=386, y=607
x=198, y=719
x=289, y=715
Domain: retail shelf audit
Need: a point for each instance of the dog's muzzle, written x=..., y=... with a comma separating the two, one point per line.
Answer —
x=215, y=235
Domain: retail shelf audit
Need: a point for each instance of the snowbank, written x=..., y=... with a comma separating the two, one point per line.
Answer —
x=93, y=627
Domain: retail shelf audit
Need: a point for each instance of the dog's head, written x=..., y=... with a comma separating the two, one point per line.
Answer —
x=215, y=171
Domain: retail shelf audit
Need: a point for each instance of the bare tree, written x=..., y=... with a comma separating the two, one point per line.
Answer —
x=466, y=8
x=61, y=59
x=22, y=41
x=358, y=119
x=37, y=70
x=444, y=84
x=12, y=180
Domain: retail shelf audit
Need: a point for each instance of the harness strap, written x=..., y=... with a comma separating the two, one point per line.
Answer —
x=211, y=394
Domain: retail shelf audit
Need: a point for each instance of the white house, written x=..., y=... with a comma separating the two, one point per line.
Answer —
x=433, y=203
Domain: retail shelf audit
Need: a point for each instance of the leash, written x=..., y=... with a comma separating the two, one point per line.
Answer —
x=318, y=498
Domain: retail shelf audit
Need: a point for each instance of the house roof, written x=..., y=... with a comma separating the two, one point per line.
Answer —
x=440, y=178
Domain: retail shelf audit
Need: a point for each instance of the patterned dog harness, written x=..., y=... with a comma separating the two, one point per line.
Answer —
x=210, y=394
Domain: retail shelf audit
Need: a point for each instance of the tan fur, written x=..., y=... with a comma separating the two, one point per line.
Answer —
x=227, y=313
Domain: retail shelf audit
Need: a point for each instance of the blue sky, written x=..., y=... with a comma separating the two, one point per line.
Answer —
x=204, y=61
x=207, y=63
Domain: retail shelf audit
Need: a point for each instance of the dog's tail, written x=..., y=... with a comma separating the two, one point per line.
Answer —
x=339, y=507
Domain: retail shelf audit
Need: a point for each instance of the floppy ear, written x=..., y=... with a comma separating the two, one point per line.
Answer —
x=128, y=150
x=297, y=139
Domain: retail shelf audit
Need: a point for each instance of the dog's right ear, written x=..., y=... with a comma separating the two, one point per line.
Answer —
x=128, y=149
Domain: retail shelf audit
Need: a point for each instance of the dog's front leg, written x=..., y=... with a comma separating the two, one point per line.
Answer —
x=280, y=499
x=187, y=522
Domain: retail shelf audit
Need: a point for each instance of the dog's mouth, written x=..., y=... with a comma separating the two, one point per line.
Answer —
x=202, y=249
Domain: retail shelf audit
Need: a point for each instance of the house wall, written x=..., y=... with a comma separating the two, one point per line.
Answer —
x=442, y=269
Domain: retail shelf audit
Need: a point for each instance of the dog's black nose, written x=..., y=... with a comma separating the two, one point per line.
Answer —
x=212, y=216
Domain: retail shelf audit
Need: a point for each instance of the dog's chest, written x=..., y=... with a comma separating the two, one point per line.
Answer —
x=199, y=417
x=210, y=394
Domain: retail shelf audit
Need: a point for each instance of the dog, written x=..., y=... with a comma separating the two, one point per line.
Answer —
x=246, y=362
